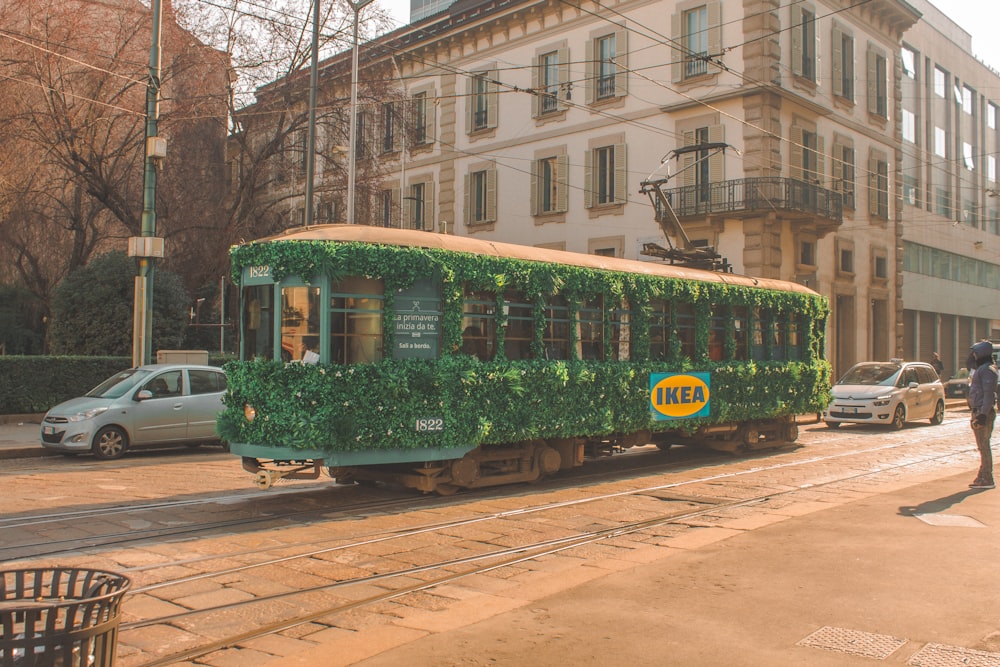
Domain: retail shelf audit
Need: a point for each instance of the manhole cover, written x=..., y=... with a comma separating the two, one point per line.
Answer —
x=854, y=642
x=939, y=655
x=950, y=520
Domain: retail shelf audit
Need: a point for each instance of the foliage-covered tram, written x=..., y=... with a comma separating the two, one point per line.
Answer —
x=444, y=362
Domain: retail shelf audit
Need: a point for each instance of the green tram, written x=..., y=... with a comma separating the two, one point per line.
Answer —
x=445, y=362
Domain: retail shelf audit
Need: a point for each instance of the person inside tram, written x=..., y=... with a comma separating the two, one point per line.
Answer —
x=310, y=347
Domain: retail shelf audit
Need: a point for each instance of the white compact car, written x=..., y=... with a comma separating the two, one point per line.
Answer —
x=886, y=392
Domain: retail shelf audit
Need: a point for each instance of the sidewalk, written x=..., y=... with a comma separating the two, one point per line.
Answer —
x=19, y=436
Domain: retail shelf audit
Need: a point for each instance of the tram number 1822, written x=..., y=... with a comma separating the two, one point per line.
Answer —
x=430, y=425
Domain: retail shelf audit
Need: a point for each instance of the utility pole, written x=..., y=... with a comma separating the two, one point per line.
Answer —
x=148, y=246
x=311, y=136
x=352, y=141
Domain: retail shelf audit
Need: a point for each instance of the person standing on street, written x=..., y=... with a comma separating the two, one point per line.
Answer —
x=938, y=364
x=982, y=404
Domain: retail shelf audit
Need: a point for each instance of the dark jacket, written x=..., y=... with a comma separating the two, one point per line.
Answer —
x=983, y=389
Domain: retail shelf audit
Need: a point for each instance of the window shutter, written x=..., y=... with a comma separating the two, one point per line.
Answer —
x=714, y=28
x=837, y=47
x=796, y=40
x=837, y=164
x=588, y=179
x=591, y=71
x=678, y=53
x=429, y=209
x=468, y=199
x=491, y=195
x=621, y=64
x=621, y=175
x=492, y=100
x=564, y=74
x=397, y=128
x=394, y=214
x=688, y=169
x=872, y=81
x=820, y=152
x=533, y=192
x=872, y=183
x=470, y=103
x=407, y=209
x=795, y=153
x=717, y=164
x=536, y=82
x=562, y=183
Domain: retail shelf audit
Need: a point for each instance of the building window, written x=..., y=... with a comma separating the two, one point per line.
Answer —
x=991, y=168
x=550, y=191
x=482, y=102
x=881, y=266
x=844, y=173
x=846, y=264
x=804, y=42
x=807, y=253
x=389, y=134
x=878, y=186
x=940, y=82
x=878, y=87
x=967, y=100
x=940, y=142
x=991, y=116
x=967, y=157
x=607, y=66
x=909, y=126
x=605, y=176
x=806, y=149
x=910, y=185
x=695, y=42
x=909, y=58
x=421, y=119
x=548, y=84
x=843, y=63
x=481, y=197
x=388, y=207
x=418, y=206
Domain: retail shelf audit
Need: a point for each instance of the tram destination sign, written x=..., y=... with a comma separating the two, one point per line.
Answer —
x=417, y=323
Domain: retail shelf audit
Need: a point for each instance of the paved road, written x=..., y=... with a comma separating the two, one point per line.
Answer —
x=897, y=568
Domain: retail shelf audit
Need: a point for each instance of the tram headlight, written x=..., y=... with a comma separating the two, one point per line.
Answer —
x=249, y=412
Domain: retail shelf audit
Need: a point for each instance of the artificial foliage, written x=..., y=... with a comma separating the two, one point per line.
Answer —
x=376, y=406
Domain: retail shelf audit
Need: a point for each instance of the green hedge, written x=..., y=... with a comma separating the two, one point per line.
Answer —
x=32, y=384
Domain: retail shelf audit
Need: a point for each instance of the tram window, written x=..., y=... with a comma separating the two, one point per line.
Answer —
x=479, y=325
x=590, y=320
x=356, y=321
x=621, y=333
x=659, y=329
x=779, y=330
x=520, y=326
x=717, y=333
x=258, y=322
x=741, y=323
x=556, y=335
x=759, y=321
x=794, y=340
x=299, y=320
x=685, y=316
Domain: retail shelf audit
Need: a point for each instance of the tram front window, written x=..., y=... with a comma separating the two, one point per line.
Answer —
x=299, y=321
x=258, y=322
x=356, y=321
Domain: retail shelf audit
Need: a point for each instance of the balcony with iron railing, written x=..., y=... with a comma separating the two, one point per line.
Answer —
x=750, y=196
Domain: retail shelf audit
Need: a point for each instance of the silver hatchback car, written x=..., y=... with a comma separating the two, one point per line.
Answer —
x=887, y=392
x=154, y=404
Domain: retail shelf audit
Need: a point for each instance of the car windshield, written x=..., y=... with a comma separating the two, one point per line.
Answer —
x=119, y=384
x=873, y=374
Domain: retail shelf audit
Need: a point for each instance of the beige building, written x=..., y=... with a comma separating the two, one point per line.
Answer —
x=537, y=122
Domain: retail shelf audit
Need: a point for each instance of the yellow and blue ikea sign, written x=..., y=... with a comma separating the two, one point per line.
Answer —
x=680, y=395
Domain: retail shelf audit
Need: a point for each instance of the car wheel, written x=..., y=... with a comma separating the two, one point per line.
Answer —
x=109, y=443
x=898, y=418
x=938, y=415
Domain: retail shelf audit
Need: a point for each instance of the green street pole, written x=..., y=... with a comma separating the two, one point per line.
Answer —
x=144, y=250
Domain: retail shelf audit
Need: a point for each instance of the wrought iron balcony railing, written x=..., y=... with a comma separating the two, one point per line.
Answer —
x=750, y=195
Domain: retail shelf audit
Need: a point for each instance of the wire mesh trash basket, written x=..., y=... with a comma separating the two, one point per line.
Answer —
x=59, y=617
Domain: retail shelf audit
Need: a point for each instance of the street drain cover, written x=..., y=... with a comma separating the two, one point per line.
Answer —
x=950, y=520
x=938, y=655
x=854, y=642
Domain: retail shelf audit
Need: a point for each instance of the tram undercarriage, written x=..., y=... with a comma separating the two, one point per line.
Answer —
x=527, y=461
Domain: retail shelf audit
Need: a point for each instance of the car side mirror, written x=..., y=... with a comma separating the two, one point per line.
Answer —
x=913, y=385
x=143, y=395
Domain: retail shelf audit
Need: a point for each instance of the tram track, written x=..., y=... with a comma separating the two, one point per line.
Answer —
x=504, y=557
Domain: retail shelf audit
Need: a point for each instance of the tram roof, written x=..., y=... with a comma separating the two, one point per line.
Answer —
x=423, y=239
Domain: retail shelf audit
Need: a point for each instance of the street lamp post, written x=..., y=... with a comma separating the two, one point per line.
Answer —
x=352, y=139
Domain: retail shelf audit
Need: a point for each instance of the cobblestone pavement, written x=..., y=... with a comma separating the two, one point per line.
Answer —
x=353, y=532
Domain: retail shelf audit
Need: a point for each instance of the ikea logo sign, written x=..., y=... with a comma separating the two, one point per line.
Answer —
x=679, y=395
